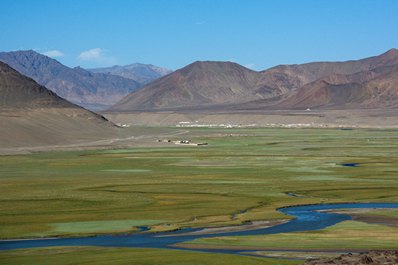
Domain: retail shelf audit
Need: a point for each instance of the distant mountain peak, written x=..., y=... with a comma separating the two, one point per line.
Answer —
x=213, y=65
x=29, y=53
x=204, y=63
x=139, y=72
x=391, y=52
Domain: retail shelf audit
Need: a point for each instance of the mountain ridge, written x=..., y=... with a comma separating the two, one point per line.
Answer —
x=226, y=85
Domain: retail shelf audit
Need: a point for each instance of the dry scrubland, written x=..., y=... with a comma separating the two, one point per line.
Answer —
x=243, y=175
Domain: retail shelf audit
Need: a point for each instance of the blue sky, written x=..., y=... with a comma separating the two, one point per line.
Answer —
x=255, y=33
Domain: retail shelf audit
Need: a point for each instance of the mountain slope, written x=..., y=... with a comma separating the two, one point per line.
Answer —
x=377, y=88
x=74, y=84
x=18, y=91
x=142, y=73
x=310, y=72
x=198, y=84
x=31, y=115
x=229, y=86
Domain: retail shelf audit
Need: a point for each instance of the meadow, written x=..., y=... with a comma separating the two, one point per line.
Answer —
x=345, y=236
x=121, y=256
x=242, y=175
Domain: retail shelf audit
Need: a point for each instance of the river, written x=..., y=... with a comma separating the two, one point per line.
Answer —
x=307, y=217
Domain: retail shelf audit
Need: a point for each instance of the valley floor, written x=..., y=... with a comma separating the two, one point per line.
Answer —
x=242, y=175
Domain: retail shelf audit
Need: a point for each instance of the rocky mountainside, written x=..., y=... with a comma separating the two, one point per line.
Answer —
x=365, y=83
x=31, y=115
x=142, y=73
x=77, y=85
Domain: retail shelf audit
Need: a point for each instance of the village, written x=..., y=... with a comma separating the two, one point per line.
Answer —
x=182, y=142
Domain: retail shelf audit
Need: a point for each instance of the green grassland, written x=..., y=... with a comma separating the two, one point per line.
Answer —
x=350, y=235
x=242, y=175
x=236, y=178
x=119, y=256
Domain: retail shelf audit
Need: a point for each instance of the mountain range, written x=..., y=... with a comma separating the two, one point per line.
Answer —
x=209, y=85
x=85, y=88
x=366, y=83
x=30, y=114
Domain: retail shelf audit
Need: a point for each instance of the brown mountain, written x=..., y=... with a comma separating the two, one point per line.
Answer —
x=82, y=87
x=309, y=72
x=31, y=115
x=18, y=91
x=324, y=84
x=198, y=84
x=376, y=88
x=229, y=86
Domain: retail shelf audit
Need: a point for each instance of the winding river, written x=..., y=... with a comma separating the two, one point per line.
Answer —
x=307, y=217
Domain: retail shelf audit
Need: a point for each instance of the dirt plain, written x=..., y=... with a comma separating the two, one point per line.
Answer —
x=365, y=118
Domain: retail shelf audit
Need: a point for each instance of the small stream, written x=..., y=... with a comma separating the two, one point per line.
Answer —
x=306, y=218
